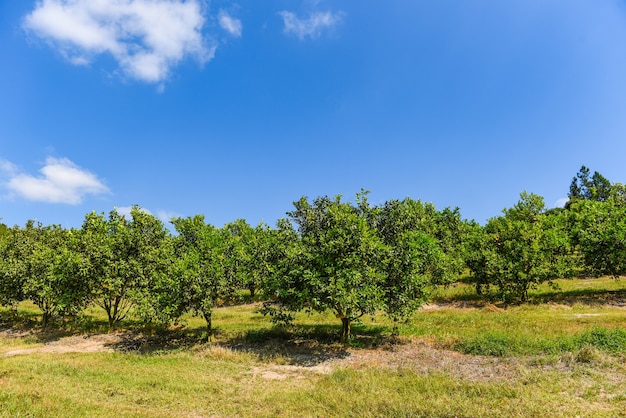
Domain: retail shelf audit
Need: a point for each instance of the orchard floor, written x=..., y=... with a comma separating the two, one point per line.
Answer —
x=562, y=355
x=410, y=377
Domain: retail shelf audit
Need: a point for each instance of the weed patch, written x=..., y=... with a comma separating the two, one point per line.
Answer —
x=610, y=340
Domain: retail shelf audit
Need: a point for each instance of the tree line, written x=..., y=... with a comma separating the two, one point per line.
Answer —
x=328, y=254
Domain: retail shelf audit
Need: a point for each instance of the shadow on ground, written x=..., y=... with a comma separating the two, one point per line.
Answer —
x=303, y=345
x=589, y=297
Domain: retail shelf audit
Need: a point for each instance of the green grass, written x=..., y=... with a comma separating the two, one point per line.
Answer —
x=520, y=330
x=589, y=291
x=561, y=355
x=214, y=384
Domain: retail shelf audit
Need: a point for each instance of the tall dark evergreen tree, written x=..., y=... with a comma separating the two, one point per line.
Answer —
x=586, y=187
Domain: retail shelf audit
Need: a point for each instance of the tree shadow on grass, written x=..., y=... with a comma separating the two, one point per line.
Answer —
x=588, y=296
x=126, y=337
x=304, y=345
x=13, y=318
x=16, y=324
x=162, y=341
x=591, y=297
x=309, y=345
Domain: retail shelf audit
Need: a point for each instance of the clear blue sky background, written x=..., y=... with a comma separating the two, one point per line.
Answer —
x=236, y=109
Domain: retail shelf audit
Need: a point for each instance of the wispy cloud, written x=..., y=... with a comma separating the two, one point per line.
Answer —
x=560, y=203
x=164, y=215
x=146, y=37
x=312, y=26
x=61, y=181
x=8, y=168
x=126, y=210
x=230, y=24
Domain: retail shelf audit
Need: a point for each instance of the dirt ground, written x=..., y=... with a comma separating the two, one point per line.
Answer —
x=301, y=359
x=418, y=356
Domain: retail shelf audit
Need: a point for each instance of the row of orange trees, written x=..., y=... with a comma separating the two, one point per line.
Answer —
x=351, y=258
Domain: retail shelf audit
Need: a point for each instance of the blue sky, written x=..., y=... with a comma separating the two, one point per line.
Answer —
x=236, y=109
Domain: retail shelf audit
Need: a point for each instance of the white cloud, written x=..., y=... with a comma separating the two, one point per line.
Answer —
x=61, y=181
x=7, y=167
x=125, y=210
x=166, y=216
x=311, y=27
x=560, y=203
x=230, y=24
x=163, y=215
x=146, y=37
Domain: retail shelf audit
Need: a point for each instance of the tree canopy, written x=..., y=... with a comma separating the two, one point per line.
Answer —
x=347, y=257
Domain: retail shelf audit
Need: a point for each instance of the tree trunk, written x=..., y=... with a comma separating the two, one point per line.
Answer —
x=479, y=289
x=525, y=292
x=345, y=330
x=45, y=319
x=395, y=331
x=208, y=317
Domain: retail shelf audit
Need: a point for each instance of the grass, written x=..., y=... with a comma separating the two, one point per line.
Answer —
x=561, y=355
x=520, y=330
x=185, y=384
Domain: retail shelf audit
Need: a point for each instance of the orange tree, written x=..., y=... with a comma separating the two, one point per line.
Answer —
x=336, y=264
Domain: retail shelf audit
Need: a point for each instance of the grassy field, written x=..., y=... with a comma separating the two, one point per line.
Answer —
x=561, y=355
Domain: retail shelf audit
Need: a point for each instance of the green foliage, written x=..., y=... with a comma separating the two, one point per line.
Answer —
x=354, y=259
x=336, y=264
x=42, y=264
x=56, y=280
x=349, y=258
x=124, y=258
x=424, y=250
x=257, y=253
x=583, y=187
x=522, y=249
x=479, y=257
x=279, y=266
x=201, y=273
x=599, y=231
x=15, y=247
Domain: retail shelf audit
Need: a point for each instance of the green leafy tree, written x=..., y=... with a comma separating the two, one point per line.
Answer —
x=263, y=249
x=335, y=265
x=423, y=252
x=56, y=280
x=124, y=256
x=200, y=275
x=277, y=258
x=480, y=257
x=262, y=252
x=526, y=247
x=242, y=251
x=599, y=231
x=16, y=246
x=43, y=264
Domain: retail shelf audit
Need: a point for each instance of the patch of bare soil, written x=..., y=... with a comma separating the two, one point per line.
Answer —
x=14, y=333
x=60, y=342
x=73, y=344
x=419, y=357
x=283, y=372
